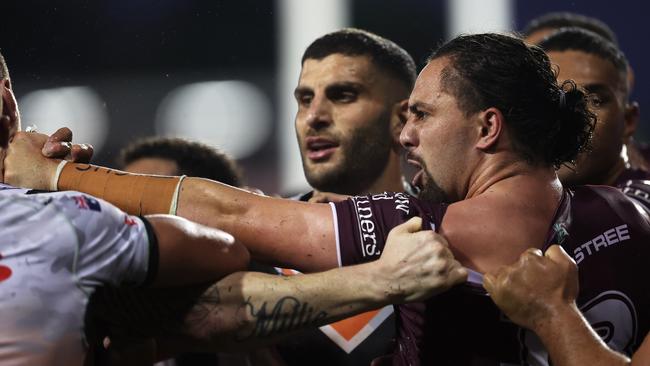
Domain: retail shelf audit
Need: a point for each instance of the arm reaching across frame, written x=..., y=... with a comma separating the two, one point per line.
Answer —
x=287, y=233
x=249, y=309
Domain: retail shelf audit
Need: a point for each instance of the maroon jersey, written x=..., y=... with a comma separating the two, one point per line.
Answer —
x=357, y=340
x=607, y=234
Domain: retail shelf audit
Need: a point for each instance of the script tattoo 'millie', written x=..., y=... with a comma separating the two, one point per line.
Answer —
x=286, y=315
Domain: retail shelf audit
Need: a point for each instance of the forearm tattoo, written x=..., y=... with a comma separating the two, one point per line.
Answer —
x=279, y=317
x=202, y=313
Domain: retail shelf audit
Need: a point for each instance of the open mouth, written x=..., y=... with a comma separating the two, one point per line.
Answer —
x=319, y=149
x=418, y=178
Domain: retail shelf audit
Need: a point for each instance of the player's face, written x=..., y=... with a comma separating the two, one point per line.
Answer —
x=343, y=122
x=156, y=166
x=438, y=137
x=607, y=89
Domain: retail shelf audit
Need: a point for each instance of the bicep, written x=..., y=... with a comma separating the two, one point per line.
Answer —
x=276, y=231
x=292, y=234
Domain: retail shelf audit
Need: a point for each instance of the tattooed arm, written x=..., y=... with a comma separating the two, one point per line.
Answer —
x=248, y=309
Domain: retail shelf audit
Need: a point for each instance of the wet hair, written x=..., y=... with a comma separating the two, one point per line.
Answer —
x=549, y=124
x=193, y=159
x=384, y=53
x=4, y=70
x=567, y=19
x=579, y=39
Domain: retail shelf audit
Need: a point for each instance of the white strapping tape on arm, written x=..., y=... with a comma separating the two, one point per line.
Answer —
x=177, y=192
x=54, y=183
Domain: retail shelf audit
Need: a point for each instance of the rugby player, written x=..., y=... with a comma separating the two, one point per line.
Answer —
x=488, y=125
x=602, y=70
x=539, y=28
x=352, y=96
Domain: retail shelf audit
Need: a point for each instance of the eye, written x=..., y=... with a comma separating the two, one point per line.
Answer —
x=304, y=99
x=419, y=115
x=343, y=95
x=597, y=101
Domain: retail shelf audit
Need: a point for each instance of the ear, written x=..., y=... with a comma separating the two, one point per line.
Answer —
x=398, y=117
x=632, y=113
x=490, y=127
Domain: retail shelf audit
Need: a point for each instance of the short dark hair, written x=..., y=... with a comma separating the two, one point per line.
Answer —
x=549, y=123
x=567, y=19
x=579, y=39
x=193, y=159
x=384, y=53
x=4, y=70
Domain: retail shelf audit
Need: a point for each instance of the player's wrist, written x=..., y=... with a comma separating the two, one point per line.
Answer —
x=44, y=174
x=383, y=284
x=376, y=286
x=554, y=315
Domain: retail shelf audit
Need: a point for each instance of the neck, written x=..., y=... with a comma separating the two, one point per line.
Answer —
x=511, y=174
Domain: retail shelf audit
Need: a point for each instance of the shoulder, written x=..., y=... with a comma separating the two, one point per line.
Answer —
x=487, y=232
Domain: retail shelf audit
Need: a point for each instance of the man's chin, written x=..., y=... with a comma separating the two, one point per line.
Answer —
x=321, y=172
x=432, y=193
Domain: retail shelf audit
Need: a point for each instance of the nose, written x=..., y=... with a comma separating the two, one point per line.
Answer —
x=408, y=137
x=318, y=114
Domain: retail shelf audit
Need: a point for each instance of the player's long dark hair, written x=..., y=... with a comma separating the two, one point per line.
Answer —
x=550, y=123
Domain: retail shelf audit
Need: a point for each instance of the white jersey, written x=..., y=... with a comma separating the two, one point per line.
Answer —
x=55, y=249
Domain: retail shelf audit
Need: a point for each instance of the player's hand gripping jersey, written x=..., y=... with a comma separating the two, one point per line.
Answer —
x=56, y=248
x=606, y=233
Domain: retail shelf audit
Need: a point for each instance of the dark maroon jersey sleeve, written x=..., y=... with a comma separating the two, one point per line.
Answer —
x=363, y=223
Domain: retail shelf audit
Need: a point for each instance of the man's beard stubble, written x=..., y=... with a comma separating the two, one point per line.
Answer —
x=430, y=190
x=365, y=156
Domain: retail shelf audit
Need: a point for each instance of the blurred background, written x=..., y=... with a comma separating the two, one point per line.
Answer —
x=223, y=72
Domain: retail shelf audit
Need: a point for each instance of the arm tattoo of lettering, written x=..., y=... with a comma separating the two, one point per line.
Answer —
x=285, y=315
x=204, y=313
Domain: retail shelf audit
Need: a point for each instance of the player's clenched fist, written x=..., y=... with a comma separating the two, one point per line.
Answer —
x=530, y=291
x=418, y=263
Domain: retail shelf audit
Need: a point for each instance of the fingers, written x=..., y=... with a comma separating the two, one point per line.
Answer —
x=492, y=280
x=534, y=251
x=413, y=225
x=81, y=153
x=59, y=144
x=557, y=254
x=78, y=153
x=56, y=149
x=63, y=134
